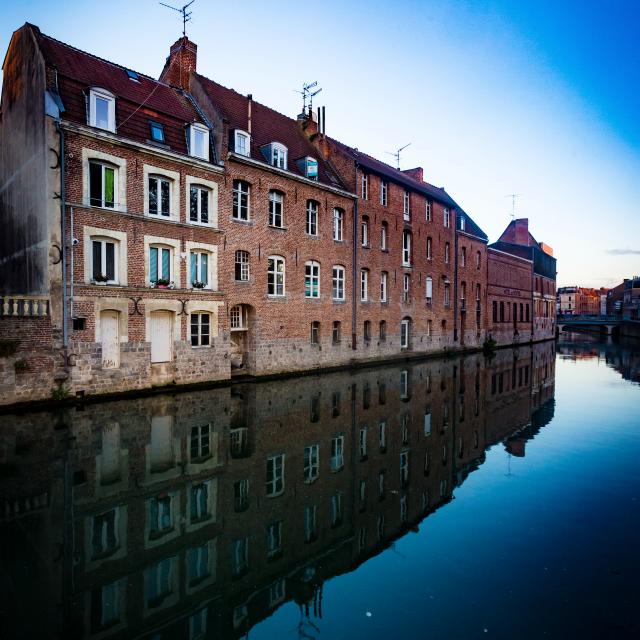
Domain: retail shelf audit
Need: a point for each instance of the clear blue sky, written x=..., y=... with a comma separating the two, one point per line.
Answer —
x=530, y=97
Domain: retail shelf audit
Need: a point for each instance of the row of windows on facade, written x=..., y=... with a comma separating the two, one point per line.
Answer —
x=501, y=312
x=102, y=115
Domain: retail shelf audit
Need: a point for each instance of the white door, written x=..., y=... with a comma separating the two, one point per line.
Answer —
x=161, y=330
x=110, y=337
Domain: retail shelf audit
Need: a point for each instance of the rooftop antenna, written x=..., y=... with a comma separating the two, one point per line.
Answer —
x=308, y=94
x=396, y=155
x=186, y=15
x=513, y=197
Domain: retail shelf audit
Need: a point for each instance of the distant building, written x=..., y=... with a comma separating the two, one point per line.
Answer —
x=580, y=301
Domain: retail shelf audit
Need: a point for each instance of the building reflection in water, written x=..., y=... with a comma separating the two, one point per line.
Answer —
x=197, y=515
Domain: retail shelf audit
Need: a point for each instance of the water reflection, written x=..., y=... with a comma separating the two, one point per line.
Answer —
x=197, y=515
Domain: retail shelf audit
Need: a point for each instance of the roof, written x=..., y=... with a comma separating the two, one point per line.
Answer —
x=267, y=126
x=137, y=101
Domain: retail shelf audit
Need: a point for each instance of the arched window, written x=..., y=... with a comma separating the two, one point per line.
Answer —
x=278, y=155
x=338, y=224
x=241, y=142
x=406, y=248
x=429, y=248
x=242, y=266
x=364, y=231
x=311, y=279
x=384, y=236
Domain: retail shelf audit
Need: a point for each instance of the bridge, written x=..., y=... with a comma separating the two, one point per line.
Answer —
x=605, y=324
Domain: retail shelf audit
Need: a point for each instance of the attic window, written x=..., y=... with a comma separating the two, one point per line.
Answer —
x=199, y=141
x=461, y=223
x=241, y=141
x=132, y=75
x=102, y=109
x=157, y=131
x=311, y=168
x=276, y=154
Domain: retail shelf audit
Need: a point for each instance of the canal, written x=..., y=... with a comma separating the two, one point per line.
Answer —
x=456, y=498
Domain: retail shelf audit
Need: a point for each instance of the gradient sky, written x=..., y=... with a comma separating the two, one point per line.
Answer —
x=535, y=98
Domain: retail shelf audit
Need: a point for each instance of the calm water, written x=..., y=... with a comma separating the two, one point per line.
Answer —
x=458, y=498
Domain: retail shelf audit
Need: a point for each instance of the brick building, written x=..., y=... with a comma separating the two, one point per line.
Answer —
x=579, y=300
x=174, y=231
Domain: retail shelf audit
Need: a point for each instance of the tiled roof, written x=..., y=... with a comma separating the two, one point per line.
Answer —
x=137, y=102
x=470, y=225
x=267, y=126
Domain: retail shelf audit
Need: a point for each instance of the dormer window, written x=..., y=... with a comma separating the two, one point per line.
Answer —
x=309, y=167
x=199, y=141
x=241, y=141
x=157, y=131
x=462, y=223
x=276, y=154
x=102, y=110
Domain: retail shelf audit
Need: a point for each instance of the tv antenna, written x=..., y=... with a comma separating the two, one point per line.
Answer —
x=513, y=197
x=186, y=15
x=396, y=155
x=308, y=94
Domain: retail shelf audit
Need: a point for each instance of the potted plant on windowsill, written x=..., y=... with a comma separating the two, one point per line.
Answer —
x=100, y=278
x=162, y=283
x=196, y=284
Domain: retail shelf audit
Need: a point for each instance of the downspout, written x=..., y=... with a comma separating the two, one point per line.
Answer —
x=455, y=275
x=73, y=253
x=63, y=231
x=354, y=265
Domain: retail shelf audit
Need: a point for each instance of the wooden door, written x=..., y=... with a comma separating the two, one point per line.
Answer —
x=161, y=331
x=110, y=336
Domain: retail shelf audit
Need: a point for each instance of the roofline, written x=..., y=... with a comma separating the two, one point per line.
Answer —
x=287, y=174
x=128, y=142
x=511, y=255
x=485, y=239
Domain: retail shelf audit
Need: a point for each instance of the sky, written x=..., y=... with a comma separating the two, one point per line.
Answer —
x=534, y=98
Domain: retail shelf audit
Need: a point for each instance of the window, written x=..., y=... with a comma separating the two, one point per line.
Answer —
x=312, y=217
x=278, y=155
x=238, y=317
x=383, y=330
x=429, y=249
x=275, y=276
x=405, y=327
x=367, y=330
x=384, y=236
x=428, y=210
x=159, y=203
x=311, y=168
x=199, y=141
x=429, y=289
x=365, y=186
x=336, y=509
x=104, y=539
x=157, y=131
x=462, y=223
x=364, y=285
x=160, y=516
x=315, y=332
x=447, y=251
x=102, y=110
x=429, y=328
x=199, y=269
x=241, y=191
x=312, y=279
x=311, y=470
x=463, y=295
x=335, y=332
x=102, y=185
x=197, y=571
x=383, y=286
x=240, y=556
x=160, y=264
x=275, y=209
x=337, y=453
x=335, y=404
x=198, y=204
x=478, y=259
x=274, y=539
x=240, y=496
x=105, y=263
x=241, y=143
x=382, y=436
x=463, y=257
x=406, y=211
x=310, y=523
x=200, y=329
x=199, y=502
x=446, y=217
x=384, y=191
x=404, y=468
x=381, y=492
x=338, y=225
x=242, y=266
x=447, y=294
x=200, y=442
x=495, y=311
x=427, y=422
x=406, y=249
x=501, y=311
x=364, y=231
x=275, y=475
x=338, y=283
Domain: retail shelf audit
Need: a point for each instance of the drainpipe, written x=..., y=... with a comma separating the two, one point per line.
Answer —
x=455, y=275
x=354, y=267
x=73, y=252
x=63, y=231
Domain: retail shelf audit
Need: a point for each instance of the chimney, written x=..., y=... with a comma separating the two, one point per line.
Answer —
x=522, y=231
x=309, y=121
x=181, y=62
x=417, y=173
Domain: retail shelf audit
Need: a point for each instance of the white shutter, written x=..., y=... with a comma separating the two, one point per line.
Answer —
x=110, y=338
x=161, y=336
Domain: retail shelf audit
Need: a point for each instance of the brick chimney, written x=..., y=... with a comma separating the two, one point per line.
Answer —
x=181, y=62
x=417, y=173
x=521, y=226
x=309, y=122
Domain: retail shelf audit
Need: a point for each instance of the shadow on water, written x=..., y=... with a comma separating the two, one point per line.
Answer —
x=199, y=514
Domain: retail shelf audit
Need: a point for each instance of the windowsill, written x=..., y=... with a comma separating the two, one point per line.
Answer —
x=338, y=301
x=103, y=208
x=384, y=250
x=157, y=143
x=406, y=265
x=196, y=223
x=314, y=299
x=239, y=221
x=243, y=282
x=312, y=236
x=204, y=289
x=277, y=228
x=365, y=246
x=160, y=216
x=335, y=343
x=339, y=241
x=384, y=303
x=200, y=346
x=271, y=296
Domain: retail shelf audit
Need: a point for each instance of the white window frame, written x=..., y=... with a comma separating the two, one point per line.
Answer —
x=312, y=275
x=446, y=217
x=462, y=223
x=243, y=150
x=311, y=463
x=406, y=249
x=429, y=289
x=276, y=201
x=194, y=130
x=104, y=165
x=406, y=206
x=338, y=224
x=103, y=240
x=241, y=188
x=279, y=290
x=364, y=285
x=428, y=213
x=337, y=453
x=278, y=155
x=429, y=248
x=312, y=218
x=405, y=328
x=364, y=184
x=384, y=232
x=308, y=163
x=199, y=335
x=447, y=252
x=166, y=247
x=406, y=287
x=384, y=193
x=384, y=276
x=159, y=179
x=107, y=96
x=275, y=485
x=244, y=265
x=364, y=231
x=200, y=189
x=338, y=282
